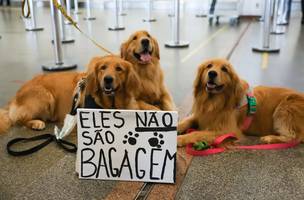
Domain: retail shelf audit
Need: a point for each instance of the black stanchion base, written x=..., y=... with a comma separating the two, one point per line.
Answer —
x=89, y=18
x=34, y=29
x=122, y=14
x=180, y=44
x=267, y=50
x=149, y=20
x=277, y=32
x=66, y=41
x=58, y=67
x=119, y=28
x=201, y=15
x=283, y=23
x=170, y=15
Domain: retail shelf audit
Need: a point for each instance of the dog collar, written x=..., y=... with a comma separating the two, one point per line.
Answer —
x=250, y=101
x=89, y=102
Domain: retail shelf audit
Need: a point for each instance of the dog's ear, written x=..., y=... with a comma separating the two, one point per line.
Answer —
x=238, y=92
x=239, y=87
x=92, y=84
x=198, y=80
x=133, y=84
x=124, y=49
x=156, y=50
x=93, y=63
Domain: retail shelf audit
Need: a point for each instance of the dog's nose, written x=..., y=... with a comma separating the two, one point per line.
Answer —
x=145, y=42
x=212, y=74
x=108, y=79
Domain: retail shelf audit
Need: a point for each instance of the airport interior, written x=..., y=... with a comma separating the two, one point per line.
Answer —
x=262, y=39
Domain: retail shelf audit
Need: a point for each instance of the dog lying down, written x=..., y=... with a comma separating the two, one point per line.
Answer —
x=49, y=97
x=217, y=110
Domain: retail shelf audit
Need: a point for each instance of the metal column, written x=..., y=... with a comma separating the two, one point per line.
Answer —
x=266, y=47
x=59, y=64
x=203, y=12
x=176, y=42
x=89, y=17
x=121, y=8
x=76, y=10
x=33, y=18
x=150, y=18
x=117, y=26
x=275, y=28
x=64, y=38
x=284, y=12
x=68, y=9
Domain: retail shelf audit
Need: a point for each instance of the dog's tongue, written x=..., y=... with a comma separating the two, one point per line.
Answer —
x=145, y=57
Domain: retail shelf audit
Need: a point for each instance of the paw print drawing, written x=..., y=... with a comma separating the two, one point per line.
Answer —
x=156, y=141
x=130, y=138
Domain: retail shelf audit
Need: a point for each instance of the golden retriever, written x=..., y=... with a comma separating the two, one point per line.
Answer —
x=142, y=50
x=218, y=92
x=49, y=97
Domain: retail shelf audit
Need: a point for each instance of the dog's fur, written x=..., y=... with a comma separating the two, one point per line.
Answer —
x=49, y=97
x=142, y=50
x=279, y=116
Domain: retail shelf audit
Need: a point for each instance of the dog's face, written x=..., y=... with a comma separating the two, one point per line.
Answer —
x=140, y=48
x=111, y=74
x=216, y=76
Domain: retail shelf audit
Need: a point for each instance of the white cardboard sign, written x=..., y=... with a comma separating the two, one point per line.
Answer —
x=128, y=145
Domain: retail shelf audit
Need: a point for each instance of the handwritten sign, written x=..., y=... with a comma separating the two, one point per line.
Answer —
x=128, y=145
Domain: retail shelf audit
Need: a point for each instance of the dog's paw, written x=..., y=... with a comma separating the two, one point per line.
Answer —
x=36, y=125
x=180, y=130
x=267, y=139
x=181, y=141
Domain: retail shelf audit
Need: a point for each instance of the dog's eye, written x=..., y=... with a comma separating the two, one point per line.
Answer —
x=118, y=69
x=135, y=38
x=224, y=69
x=148, y=35
x=209, y=66
x=103, y=67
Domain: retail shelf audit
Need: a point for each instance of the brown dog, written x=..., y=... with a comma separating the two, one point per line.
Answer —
x=49, y=97
x=142, y=50
x=218, y=92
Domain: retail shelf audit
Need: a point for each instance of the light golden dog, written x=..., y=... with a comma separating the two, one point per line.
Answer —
x=142, y=50
x=49, y=97
x=218, y=92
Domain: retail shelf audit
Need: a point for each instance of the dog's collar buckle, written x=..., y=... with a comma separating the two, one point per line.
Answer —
x=252, y=104
x=250, y=101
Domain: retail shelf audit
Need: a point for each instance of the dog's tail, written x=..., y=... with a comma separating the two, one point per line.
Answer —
x=5, y=121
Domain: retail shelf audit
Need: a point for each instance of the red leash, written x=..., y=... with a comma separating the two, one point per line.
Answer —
x=219, y=140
